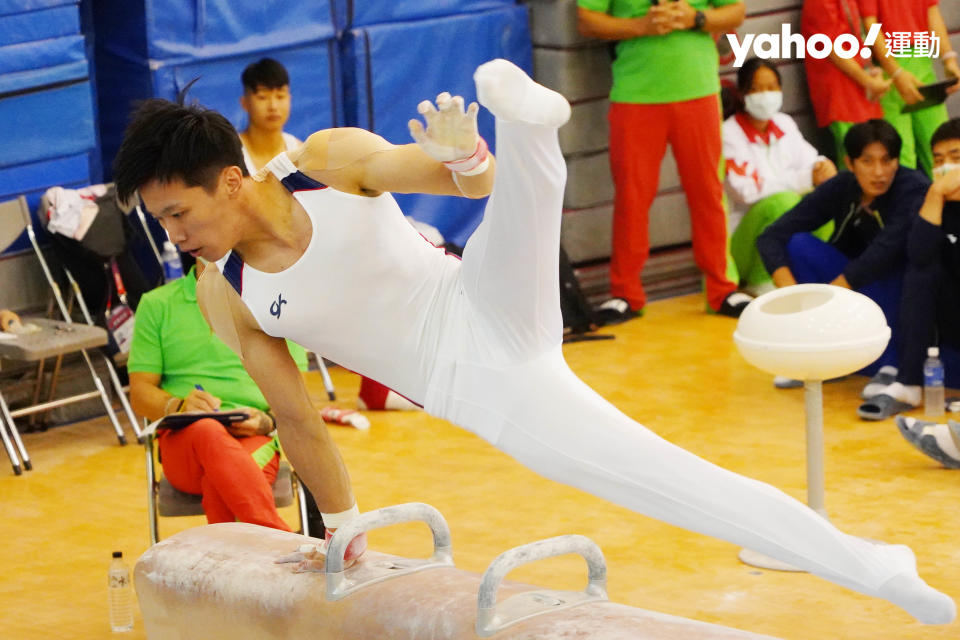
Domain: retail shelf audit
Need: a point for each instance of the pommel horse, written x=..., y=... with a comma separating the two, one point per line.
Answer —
x=220, y=582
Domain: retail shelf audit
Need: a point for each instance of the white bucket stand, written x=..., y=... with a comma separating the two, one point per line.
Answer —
x=810, y=332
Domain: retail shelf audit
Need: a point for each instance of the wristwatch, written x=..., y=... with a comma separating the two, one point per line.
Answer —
x=699, y=20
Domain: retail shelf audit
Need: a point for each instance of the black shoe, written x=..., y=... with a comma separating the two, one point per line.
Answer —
x=615, y=311
x=734, y=304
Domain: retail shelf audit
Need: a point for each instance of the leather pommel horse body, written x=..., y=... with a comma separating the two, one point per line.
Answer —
x=220, y=582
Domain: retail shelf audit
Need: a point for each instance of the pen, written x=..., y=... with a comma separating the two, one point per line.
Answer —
x=199, y=387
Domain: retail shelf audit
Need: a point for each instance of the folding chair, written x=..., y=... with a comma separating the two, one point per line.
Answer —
x=54, y=339
x=164, y=500
x=81, y=301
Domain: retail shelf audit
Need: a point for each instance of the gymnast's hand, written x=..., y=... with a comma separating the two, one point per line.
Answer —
x=451, y=133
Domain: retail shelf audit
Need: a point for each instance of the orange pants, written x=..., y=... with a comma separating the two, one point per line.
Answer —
x=204, y=459
x=638, y=141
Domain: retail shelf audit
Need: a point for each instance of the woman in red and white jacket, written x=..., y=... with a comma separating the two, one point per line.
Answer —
x=769, y=167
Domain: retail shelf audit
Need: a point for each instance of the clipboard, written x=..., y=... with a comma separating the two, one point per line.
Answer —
x=177, y=421
x=933, y=94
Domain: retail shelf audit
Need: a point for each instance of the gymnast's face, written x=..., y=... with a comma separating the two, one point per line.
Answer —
x=198, y=221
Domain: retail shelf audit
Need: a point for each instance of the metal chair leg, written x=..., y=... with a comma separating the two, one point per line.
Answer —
x=117, y=387
x=11, y=452
x=105, y=398
x=15, y=434
x=151, y=490
x=327, y=382
x=301, y=505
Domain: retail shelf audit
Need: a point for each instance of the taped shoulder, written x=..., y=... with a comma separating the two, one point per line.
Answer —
x=333, y=149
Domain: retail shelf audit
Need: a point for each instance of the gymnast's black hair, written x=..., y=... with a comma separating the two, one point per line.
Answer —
x=169, y=140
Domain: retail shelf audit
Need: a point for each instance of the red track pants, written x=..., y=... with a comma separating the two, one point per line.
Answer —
x=204, y=459
x=638, y=140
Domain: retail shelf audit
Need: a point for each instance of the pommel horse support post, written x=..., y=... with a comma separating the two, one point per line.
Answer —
x=220, y=582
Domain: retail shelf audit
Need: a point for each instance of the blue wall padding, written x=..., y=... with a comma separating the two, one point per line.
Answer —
x=22, y=81
x=34, y=178
x=181, y=29
x=390, y=68
x=362, y=13
x=314, y=84
x=47, y=123
x=39, y=25
x=42, y=54
x=19, y=6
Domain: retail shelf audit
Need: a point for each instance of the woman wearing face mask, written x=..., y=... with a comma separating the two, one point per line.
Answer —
x=769, y=166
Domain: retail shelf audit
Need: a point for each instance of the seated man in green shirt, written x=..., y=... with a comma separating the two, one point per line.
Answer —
x=178, y=365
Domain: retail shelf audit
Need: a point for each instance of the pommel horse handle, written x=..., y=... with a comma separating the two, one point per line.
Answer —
x=492, y=618
x=341, y=583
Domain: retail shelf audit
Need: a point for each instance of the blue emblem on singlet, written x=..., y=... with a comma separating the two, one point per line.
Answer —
x=277, y=306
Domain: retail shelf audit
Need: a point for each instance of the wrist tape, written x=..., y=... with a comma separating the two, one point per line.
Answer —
x=473, y=165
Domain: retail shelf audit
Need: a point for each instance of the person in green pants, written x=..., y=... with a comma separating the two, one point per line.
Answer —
x=769, y=167
x=910, y=67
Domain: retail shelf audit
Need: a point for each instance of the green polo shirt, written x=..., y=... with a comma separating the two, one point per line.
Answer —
x=678, y=66
x=171, y=338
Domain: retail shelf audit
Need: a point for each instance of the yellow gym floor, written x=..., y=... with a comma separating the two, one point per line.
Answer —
x=676, y=370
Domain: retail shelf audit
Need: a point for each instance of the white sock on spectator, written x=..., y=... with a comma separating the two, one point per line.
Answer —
x=912, y=394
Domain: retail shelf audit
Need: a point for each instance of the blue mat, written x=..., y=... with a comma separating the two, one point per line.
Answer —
x=19, y=6
x=46, y=123
x=390, y=68
x=28, y=26
x=362, y=13
x=42, y=54
x=177, y=30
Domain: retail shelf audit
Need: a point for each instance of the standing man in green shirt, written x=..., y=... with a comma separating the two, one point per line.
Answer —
x=665, y=89
x=178, y=365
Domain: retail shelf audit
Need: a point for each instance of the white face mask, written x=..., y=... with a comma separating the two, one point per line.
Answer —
x=944, y=169
x=764, y=104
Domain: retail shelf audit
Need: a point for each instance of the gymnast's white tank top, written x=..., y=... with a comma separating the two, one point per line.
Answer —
x=369, y=292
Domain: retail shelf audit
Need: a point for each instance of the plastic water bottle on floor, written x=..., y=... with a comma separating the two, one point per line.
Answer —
x=120, y=594
x=933, y=384
x=172, y=267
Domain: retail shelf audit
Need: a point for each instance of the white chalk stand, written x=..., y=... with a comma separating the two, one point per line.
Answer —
x=810, y=332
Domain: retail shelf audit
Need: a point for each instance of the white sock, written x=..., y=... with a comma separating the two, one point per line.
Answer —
x=945, y=438
x=875, y=388
x=511, y=95
x=906, y=589
x=916, y=597
x=912, y=394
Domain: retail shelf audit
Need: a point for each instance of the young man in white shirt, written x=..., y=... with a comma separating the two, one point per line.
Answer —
x=266, y=99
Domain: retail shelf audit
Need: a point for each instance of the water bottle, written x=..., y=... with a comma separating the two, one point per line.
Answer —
x=172, y=268
x=120, y=592
x=933, y=384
